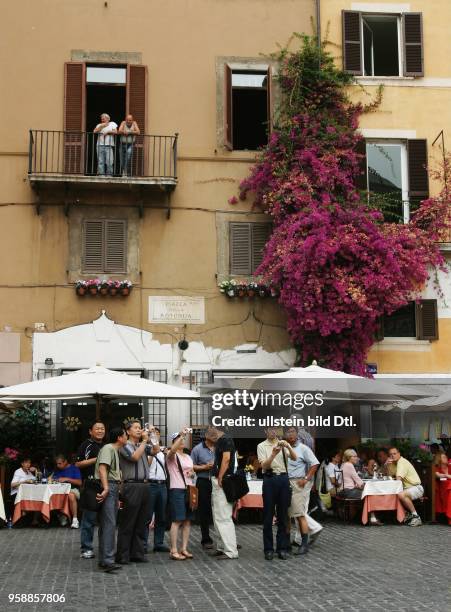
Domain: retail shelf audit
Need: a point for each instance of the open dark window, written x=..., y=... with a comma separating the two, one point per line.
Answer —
x=415, y=320
x=383, y=45
x=247, y=241
x=104, y=249
x=247, y=113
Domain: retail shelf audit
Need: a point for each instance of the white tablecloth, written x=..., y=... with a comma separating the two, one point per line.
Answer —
x=382, y=487
x=2, y=507
x=41, y=492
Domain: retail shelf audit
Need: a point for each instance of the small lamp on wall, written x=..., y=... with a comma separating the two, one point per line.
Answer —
x=49, y=361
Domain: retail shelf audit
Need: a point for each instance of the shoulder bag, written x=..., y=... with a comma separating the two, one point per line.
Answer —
x=192, y=493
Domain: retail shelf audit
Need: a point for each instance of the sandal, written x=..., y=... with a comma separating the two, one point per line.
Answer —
x=186, y=554
x=176, y=556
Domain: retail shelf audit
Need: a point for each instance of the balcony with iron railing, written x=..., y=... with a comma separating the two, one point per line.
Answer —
x=87, y=158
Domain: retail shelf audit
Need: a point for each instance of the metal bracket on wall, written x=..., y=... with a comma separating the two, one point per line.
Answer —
x=168, y=191
x=36, y=198
x=141, y=203
x=66, y=199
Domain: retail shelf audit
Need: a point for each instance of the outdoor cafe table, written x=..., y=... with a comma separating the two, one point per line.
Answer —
x=42, y=498
x=253, y=499
x=2, y=507
x=382, y=495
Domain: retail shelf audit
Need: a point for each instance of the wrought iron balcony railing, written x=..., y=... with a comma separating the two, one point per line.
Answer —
x=113, y=155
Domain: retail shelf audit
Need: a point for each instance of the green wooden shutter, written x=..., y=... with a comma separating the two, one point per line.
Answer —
x=352, y=42
x=412, y=29
x=115, y=245
x=260, y=233
x=426, y=317
x=418, y=172
x=240, y=248
x=93, y=246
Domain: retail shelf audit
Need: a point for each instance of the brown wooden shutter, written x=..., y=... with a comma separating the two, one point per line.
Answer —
x=269, y=99
x=260, y=233
x=93, y=246
x=426, y=317
x=115, y=245
x=74, y=116
x=228, y=114
x=352, y=42
x=418, y=171
x=361, y=180
x=137, y=106
x=240, y=248
x=412, y=28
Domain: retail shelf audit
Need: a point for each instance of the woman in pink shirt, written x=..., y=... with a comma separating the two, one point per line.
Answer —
x=352, y=483
x=181, y=472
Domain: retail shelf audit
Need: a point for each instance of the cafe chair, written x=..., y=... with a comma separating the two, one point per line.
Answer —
x=346, y=505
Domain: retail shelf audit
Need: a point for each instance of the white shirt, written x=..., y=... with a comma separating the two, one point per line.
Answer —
x=331, y=472
x=105, y=137
x=21, y=476
x=156, y=472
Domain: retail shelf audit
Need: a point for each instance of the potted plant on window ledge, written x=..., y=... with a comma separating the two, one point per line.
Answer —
x=125, y=287
x=81, y=287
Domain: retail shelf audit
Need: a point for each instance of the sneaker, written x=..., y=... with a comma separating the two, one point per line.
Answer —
x=63, y=520
x=75, y=524
x=314, y=536
x=87, y=554
x=415, y=521
x=407, y=517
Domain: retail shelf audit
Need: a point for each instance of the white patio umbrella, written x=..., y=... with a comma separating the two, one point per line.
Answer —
x=440, y=403
x=96, y=382
x=335, y=384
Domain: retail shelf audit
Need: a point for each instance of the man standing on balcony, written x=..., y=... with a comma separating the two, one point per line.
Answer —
x=128, y=130
x=105, y=144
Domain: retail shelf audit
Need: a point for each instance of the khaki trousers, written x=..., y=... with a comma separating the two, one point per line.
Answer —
x=222, y=519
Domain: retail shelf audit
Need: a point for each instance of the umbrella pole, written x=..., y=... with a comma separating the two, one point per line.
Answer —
x=98, y=407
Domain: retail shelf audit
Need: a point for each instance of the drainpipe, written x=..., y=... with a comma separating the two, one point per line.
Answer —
x=318, y=26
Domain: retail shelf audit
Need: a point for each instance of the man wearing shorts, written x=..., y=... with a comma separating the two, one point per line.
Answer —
x=66, y=472
x=403, y=470
x=301, y=472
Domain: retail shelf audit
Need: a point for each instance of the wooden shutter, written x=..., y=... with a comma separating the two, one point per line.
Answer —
x=137, y=106
x=228, y=114
x=426, y=318
x=74, y=116
x=93, y=246
x=418, y=171
x=115, y=245
x=361, y=180
x=260, y=233
x=412, y=29
x=240, y=248
x=352, y=42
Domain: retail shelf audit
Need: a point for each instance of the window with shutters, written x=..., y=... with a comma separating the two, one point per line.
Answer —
x=383, y=45
x=418, y=320
x=247, y=241
x=247, y=100
x=395, y=176
x=104, y=247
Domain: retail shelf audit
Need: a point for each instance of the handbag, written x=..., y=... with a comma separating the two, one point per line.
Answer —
x=88, y=495
x=192, y=492
x=235, y=486
x=326, y=498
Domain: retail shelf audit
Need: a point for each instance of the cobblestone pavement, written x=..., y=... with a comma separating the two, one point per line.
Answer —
x=350, y=568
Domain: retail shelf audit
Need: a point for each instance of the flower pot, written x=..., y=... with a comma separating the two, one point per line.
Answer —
x=125, y=291
x=251, y=293
x=113, y=290
x=80, y=290
x=93, y=290
x=230, y=293
x=103, y=290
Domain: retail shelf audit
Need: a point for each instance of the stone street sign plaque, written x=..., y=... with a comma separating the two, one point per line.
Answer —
x=178, y=310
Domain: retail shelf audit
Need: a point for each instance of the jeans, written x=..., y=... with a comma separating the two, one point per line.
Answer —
x=125, y=156
x=107, y=525
x=204, y=508
x=276, y=499
x=158, y=494
x=87, y=525
x=105, y=157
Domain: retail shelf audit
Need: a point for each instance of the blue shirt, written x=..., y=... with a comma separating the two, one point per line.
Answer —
x=68, y=472
x=201, y=455
x=305, y=460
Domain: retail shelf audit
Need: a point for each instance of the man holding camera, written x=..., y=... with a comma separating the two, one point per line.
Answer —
x=131, y=540
x=272, y=454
